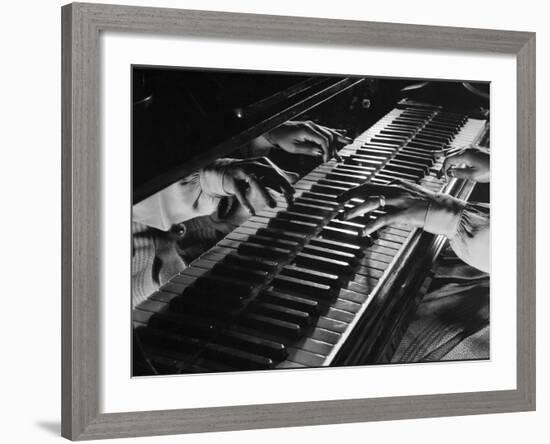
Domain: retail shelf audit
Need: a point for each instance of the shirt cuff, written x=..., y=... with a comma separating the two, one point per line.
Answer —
x=211, y=178
x=444, y=214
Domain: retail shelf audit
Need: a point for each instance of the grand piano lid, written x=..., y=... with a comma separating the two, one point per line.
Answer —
x=163, y=152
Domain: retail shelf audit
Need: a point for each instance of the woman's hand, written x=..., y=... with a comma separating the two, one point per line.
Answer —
x=251, y=181
x=406, y=203
x=305, y=138
x=468, y=163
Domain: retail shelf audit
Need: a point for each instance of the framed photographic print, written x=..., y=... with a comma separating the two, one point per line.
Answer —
x=278, y=221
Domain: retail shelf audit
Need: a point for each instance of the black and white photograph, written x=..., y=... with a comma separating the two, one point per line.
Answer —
x=290, y=221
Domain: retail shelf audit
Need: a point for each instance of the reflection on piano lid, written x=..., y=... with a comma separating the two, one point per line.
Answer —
x=164, y=152
x=295, y=286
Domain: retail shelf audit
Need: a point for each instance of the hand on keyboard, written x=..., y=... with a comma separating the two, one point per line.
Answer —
x=306, y=138
x=468, y=163
x=408, y=204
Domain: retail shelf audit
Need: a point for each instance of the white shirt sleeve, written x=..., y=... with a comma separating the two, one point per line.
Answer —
x=472, y=241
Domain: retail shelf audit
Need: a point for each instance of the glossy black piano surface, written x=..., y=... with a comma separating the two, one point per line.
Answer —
x=294, y=286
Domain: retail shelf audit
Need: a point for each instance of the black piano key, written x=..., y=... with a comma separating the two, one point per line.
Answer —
x=238, y=272
x=412, y=126
x=380, y=150
x=377, y=159
x=169, y=341
x=301, y=318
x=353, y=178
x=410, y=121
x=324, y=264
x=239, y=358
x=332, y=280
x=420, y=144
x=347, y=167
x=354, y=249
x=330, y=253
x=250, y=262
x=355, y=227
x=271, y=325
x=375, y=151
x=420, y=138
x=281, y=234
x=193, y=326
x=252, y=344
x=265, y=251
x=438, y=137
x=328, y=189
x=307, y=288
x=298, y=216
x=197, y=306
x=394, y=132
x=321, y=197
x=419, y=160
x=389, y=141
x=431, y=129
x=428, y=155
x=337, y=183
x=345, y=236
x=362, y=161
x=296, y=226
x=316, y=210
x=405, y=167
x=229, y=288
x=292, y=301
x=395, y=175
x=304, y=200
x=274, y=242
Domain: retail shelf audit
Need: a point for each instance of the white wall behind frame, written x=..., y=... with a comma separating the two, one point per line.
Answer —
x=30, y=181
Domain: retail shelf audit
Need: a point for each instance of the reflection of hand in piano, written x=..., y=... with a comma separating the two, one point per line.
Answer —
x=305, y=138
x=251, y=180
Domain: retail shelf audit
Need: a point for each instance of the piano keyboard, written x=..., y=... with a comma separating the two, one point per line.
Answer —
x=288, y=288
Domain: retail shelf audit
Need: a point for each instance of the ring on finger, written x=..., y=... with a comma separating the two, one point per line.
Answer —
x=381, y=201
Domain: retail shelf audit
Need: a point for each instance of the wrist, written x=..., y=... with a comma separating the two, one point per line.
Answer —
x=443, y=215
x=211, y=178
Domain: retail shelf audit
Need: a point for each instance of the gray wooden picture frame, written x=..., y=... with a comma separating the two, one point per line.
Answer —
x=81, y=172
